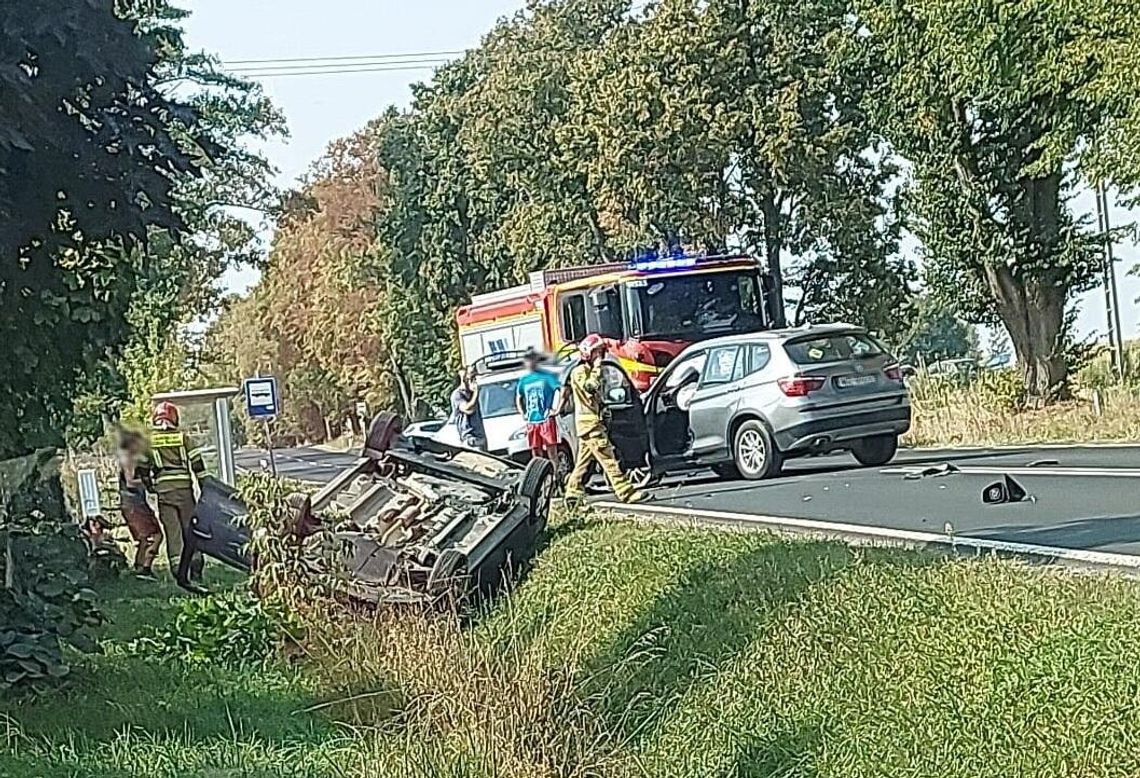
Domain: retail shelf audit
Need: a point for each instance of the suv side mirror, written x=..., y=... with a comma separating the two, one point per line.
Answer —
x=909, y=371
x=617, y=395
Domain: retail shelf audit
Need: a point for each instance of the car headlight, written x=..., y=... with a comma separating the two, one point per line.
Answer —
x=518, y=434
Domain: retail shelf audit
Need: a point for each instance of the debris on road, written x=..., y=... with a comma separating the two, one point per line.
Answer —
x=934, y=471
x=1004, y=491
x=1044, y=463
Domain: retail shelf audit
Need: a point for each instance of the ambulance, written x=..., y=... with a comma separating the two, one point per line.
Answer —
x=648, y=310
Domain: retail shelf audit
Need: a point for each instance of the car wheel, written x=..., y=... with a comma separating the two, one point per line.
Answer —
x=876, y=450
x=383, y=430
x=754, y=452
x=536, y=489
x=727, y=471
x=449, y=576
x=565, y=463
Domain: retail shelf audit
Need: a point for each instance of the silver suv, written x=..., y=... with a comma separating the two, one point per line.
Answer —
x=745, y=403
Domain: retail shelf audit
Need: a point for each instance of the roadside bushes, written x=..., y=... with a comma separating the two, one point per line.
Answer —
x=231, y=628
x=45, y=600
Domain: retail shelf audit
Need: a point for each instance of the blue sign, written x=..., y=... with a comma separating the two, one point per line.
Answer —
x=261, y=400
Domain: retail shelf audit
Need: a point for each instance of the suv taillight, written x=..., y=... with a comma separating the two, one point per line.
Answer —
x=893, y=372
x=800, y=385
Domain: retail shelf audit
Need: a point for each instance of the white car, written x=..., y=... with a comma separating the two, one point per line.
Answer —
x=498, y=381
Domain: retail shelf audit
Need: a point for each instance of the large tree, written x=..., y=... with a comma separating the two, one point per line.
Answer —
x=90, y=151
x=222, y=209
x=989, y=102
x=739, y=124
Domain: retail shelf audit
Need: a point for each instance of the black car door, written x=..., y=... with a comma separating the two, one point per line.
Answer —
x=625, y=413
x=625, y=416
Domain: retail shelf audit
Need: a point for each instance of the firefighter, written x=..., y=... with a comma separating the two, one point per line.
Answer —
x=141, y=521
x=174, y=463
x=593, y=439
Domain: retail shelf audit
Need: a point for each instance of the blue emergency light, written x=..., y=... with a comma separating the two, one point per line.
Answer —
x=676, y=259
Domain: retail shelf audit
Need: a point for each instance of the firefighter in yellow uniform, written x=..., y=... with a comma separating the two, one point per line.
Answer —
x=593, y=439
x=174, y=463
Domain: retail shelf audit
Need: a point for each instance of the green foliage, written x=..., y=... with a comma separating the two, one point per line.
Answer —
x=575, y=133
x=221, y=209
x=990, y=107
x=678, y=667
x=1001, y=391
x=934, y=332
x=281, y=577
x=46, y=602
x=232, y=629
x=90, y=150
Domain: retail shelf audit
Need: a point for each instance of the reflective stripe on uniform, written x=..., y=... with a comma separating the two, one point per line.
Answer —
x=167, y=439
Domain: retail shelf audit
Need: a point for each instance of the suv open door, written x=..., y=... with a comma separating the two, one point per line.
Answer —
x=626, y=414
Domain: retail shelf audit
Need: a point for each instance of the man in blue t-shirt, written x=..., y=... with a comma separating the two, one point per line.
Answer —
x=538, y=399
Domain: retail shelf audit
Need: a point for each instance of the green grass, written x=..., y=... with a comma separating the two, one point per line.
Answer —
x=648, y=650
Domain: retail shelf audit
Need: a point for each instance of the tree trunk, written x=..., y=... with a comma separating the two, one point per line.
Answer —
x=404, y=387
x=1033, y=312
x=773, y=243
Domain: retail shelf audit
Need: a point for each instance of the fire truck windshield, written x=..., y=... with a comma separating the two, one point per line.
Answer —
x=694, y=306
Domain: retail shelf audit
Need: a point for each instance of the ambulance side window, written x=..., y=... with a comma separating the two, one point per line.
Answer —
x=573, y=318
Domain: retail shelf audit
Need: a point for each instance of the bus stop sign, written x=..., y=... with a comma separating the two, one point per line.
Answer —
x=261, y=400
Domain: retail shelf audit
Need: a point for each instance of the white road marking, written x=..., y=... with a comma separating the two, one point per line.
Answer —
x=1050, y=470
x=834, y=528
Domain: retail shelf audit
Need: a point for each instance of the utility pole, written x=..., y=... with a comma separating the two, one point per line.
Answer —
x=1111, y=295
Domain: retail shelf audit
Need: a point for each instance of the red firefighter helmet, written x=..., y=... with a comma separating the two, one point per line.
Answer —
x=591, y=344
x=165, y=415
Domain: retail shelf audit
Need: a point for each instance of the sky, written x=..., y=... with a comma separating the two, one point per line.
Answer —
x=322, y=108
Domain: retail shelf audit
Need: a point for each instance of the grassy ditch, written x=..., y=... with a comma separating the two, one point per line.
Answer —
x=643, y=650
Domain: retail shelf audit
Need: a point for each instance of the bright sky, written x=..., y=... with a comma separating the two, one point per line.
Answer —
x=321, y=108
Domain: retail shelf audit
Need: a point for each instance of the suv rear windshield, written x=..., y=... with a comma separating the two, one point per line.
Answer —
x=833, y=348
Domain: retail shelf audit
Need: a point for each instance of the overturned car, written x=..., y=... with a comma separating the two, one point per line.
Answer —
x=411, y=521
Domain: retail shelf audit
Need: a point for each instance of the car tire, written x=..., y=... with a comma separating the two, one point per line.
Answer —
x=565, y=464
x=727, y=470
x=536, y=488
x=449, y=576
x=382, y=432
x=876, y=450
x=754, y=452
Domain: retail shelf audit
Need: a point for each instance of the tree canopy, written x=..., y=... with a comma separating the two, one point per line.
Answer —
x=90, y=151
x=812, y=135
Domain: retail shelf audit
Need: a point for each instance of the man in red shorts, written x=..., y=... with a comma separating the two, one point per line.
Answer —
x=538, y=398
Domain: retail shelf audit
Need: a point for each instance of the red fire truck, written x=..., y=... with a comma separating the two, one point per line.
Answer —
x=648, y=310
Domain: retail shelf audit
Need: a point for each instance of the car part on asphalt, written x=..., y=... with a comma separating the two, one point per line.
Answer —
x=1003, y=491
x=406, y=524
x=934, y=471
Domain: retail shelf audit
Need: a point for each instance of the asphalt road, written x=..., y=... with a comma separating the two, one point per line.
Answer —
x=1083, y=498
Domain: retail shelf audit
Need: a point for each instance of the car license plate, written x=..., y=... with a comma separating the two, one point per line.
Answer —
x=849, y=381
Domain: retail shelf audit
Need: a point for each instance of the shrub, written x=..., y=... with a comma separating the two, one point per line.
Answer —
x=232, y=628
x=45, y=602
x=1001, y=391
x=280, y=574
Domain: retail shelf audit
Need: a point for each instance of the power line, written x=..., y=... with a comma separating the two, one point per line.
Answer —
x=317, y=68
x=357, y=59
x=398, y=69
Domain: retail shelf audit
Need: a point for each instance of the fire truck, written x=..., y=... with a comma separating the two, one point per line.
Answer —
x=648, y=310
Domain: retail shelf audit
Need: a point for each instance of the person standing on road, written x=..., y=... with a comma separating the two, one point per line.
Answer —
x=465, y=412
x=174, y=463
x=141, y=521
x=593, y=440
x=538, y=398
